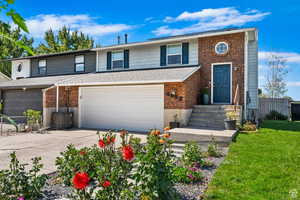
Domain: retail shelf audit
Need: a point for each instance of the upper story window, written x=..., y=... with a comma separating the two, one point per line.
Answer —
x=221, y=48
x=42, y=66
x=79, y=63
x=174, y=54
x=117, y=59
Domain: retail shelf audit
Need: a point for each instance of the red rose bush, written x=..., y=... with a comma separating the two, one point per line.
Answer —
x=107, y=171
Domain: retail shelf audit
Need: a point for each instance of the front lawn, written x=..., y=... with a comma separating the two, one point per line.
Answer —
x=261, y=166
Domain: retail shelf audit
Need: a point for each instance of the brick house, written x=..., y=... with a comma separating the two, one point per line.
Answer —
x=143, y=85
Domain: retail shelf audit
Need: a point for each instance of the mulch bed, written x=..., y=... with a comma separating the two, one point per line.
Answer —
x=56, y=191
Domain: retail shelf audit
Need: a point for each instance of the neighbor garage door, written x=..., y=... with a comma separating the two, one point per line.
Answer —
x=136, y=108
x=15, y=102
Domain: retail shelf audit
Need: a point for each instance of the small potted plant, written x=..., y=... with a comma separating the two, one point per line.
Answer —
x=204, y=96
x=175, y=123
x=230, y=121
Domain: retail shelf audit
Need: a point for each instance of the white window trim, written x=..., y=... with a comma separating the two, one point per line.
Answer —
x=112, y=64
x=223, y=42
x=174, y=54
x=80, y=63
x=212, y=82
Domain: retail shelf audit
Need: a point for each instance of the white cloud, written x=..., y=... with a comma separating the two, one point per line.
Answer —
x=85, y=23
x=290, y=57
x=149, y=19
x=297, y=84
x=208, y=19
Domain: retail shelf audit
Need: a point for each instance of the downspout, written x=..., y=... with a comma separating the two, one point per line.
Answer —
x=57, y=98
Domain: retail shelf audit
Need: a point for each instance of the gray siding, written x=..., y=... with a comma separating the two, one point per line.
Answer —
x=15, y=102
x=64, y=64
x=253, y=74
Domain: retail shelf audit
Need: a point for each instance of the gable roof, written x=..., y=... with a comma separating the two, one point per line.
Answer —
x=53, y=54
x=4, y=77
x=177, y=38
x=38, y=82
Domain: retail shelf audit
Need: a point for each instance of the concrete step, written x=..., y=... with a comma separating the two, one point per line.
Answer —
x=217, y=106
x=195, y=113
x=207, y=125
x=178, y=147
x=207, y=120
x=210, y=116
x=181, y=135
x=213, y=108
x=218, y=128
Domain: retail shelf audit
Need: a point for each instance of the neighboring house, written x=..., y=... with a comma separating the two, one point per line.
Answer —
x=142, y=85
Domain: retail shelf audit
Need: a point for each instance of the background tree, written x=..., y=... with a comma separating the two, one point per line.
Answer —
x=8, y=49
x=5, y=6
x=12, y=42
x=275, y=83
x=65, y=40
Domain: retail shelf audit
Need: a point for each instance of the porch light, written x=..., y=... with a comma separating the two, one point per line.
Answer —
x=173, y=92
x=24, y=89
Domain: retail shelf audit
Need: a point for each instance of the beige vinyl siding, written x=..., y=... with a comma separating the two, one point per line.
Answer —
x=148, y=56
x=253, y=74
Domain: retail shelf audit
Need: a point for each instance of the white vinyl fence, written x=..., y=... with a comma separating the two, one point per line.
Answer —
x=281, y=105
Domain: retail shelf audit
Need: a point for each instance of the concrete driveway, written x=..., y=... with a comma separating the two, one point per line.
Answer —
x=47, y=146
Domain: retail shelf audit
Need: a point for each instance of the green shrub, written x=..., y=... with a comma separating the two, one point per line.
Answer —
x=213, y=150
x=192, y=154
x=104, y=166
x=187, y=175
x=33, y=117
x=274, y=115
x=153, y=175
x=133, y=171
x=248, y=126
x=17, y=182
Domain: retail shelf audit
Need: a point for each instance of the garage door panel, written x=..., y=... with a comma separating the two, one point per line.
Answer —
x=15, y=102
x=137, y=108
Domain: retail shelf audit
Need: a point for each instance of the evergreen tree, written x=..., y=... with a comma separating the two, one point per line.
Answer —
x=64, y=40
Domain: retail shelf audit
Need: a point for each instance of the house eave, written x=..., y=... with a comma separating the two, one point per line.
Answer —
x=168, y=40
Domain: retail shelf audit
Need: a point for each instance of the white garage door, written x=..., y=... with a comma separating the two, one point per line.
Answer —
x=135, y=108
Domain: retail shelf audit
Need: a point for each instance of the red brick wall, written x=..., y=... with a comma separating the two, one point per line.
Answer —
x=207, y=56
x=50, y=97
x=188, y=90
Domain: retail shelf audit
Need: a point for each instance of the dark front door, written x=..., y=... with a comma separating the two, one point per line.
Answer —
x=221, y=84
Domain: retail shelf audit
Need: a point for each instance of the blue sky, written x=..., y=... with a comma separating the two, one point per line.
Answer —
x=278, y=23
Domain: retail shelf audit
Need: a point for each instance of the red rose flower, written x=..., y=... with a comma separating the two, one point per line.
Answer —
x=81, y=180
x=113, y=139
x=82, y=153
x=110, y=140
x=101, y=143
x=106, y=184
x=128, y=153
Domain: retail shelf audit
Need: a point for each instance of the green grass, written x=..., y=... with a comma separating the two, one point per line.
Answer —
x=261, y=166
